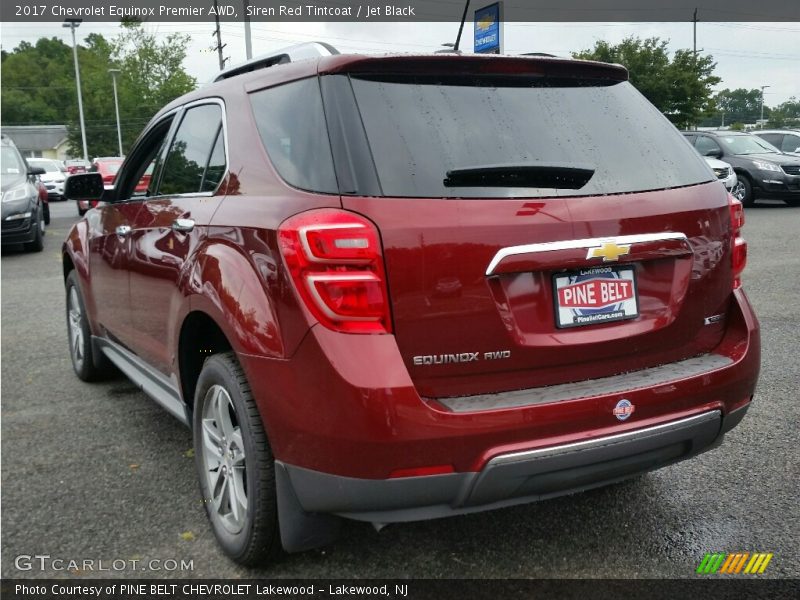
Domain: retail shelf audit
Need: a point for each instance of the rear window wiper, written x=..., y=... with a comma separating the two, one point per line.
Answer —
x=564, y=176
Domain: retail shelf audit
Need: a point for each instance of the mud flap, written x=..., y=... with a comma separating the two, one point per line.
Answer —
x=299, y=529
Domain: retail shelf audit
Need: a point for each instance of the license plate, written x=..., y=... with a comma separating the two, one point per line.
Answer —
x=594, y=296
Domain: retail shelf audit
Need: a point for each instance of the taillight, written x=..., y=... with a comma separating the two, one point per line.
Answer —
x=738, y=244
x=336, y=262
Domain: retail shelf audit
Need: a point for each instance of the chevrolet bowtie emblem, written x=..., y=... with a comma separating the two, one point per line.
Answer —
x=609, y=251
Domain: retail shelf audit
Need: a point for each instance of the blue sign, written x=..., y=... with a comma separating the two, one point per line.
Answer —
x=488, y=29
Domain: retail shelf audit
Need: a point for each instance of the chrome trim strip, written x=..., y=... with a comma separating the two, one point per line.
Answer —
x=584, y=243
x=603, y=441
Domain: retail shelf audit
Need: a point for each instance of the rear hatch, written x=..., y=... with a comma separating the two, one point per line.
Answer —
x=542, y=222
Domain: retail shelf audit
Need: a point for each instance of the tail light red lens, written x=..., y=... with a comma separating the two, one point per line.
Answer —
x=336, y=263
x=738, y=243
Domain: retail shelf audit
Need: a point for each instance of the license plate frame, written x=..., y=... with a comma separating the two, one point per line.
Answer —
x=567, y=317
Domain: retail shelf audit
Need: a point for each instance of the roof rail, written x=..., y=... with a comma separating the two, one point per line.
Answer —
x=279, y=57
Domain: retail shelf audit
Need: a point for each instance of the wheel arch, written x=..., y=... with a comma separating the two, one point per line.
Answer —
x=228, y=307
x=200, y=337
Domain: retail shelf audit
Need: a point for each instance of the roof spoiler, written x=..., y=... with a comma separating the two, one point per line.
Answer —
x=279, y=57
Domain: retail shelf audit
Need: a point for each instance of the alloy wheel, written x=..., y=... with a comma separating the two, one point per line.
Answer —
x=75, y=318
x=224, y=460
x=739, y=191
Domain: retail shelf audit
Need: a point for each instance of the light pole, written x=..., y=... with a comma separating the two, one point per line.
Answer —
x=248, y=44
x=73, y=24
x=761, y=124
x=114, y=73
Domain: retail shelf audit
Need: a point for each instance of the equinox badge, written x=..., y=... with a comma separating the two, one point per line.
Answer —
x=464, y=357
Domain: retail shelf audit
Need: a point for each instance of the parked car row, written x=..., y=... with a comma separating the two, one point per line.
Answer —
x=765, y=164
x=745, y=178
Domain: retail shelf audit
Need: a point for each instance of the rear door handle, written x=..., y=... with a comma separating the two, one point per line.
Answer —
x=123, y=230
x=183, y=225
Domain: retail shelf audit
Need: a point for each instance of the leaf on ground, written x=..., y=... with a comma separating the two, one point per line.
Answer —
x=189, y=453
x=187, y=536
x=133, y=466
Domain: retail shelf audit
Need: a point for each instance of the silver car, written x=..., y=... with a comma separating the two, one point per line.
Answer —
x=55, y=174
x=724, y=173
x=785, y=140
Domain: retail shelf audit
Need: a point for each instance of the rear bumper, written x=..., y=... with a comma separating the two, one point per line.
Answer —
x=345, y=405
x=511, y=478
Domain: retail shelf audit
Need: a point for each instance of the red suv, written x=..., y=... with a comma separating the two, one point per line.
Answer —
x=399, y=288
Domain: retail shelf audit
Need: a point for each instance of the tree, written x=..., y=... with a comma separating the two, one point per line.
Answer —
x=679, y=87
x=791, y=108
x=740, y=105
x=152, y=74
x=39, y=85
x=785, y=115
x=36, y=85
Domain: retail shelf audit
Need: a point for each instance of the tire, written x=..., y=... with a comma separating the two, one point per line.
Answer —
x=47, y=214
x=747, y=199
x=229, y=438
x=37, y=245
x=87, y=366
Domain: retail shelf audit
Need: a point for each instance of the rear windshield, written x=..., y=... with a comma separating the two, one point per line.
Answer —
x=397, y=137
x=418, y=131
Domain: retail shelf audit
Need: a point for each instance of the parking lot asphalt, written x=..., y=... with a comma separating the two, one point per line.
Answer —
x=100, y=472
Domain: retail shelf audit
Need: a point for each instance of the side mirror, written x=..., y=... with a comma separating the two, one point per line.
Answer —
x=713, y=153
x=36, y=171
x=84, y=186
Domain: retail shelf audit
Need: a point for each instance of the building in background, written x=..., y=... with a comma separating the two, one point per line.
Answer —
x=39, y=141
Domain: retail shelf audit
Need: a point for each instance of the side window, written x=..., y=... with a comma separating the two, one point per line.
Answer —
x=291, y=124
x=141, y=170
x=773, y=138
x=705, y=145
x=215, y=170
x=791, y=143
x=196, y=159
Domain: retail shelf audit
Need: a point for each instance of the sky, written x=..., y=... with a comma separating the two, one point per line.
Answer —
x=748, y=55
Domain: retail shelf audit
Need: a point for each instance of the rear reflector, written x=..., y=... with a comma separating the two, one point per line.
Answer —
x=336, y=263
x=422, y=471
